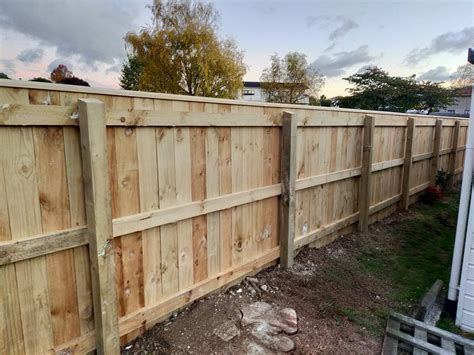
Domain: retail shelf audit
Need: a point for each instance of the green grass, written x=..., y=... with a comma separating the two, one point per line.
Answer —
x=422, y=252
x=417, y=253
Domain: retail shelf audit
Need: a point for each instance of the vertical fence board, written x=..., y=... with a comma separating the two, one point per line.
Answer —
x=198, y=173
x=169, y=232
x=148, y=189
x=184, y=195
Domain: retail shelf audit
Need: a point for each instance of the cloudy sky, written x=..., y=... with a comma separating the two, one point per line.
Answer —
x=428, y=38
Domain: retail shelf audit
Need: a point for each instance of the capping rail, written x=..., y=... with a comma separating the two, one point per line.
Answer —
x=92, y=119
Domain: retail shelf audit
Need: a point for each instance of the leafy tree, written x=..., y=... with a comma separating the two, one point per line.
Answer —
x=4, y=76
x=432, y=96
x=324, y=101
x=182, y=54
x=131, y=71
x=73, y=81
x=289, y=79
x=41, y=80
x=463, y=77
x=375, y=89
x=61, y=72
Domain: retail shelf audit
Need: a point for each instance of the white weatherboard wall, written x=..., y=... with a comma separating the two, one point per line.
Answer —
x=465, y=310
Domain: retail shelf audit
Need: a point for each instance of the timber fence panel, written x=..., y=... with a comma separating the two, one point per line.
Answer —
x=194, y=200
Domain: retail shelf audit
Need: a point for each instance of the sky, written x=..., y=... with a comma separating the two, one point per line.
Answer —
x=428, y=38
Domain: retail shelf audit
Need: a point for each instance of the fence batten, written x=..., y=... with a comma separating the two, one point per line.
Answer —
x=182, y=196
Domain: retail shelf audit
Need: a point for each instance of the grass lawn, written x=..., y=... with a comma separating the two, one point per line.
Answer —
x=421, y=254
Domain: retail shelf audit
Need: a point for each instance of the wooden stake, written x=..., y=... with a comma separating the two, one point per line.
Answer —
x=405, y=199
x=366, y=174
x=454, y=154
x=288, y=183
x=436, y=148
x=99, y=221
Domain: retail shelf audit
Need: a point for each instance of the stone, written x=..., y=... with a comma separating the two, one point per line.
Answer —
x=270, y=326
x=227, y=331
x=251, y=313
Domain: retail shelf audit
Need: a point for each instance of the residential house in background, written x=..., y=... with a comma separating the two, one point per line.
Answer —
x=462, y=106
x=253, y=91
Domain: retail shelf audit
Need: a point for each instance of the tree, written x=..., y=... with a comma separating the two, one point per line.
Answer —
x=73, y=81
x=432, y=96
x=4, y=76
x=182, y=54
x=375, y=89
x=41, y=80
x=324, y=101
x=289, y=79
x=463, y=77
x=61, y=72
x=131, y=71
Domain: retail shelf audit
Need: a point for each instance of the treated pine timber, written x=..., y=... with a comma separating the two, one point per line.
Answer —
x=151, y=219
x=420, y=157
x=318, y=180
x=366, y=174
x=99, y=220
x=408, y=163
x=43, y=244
x=436, y=149
x=454, y=154
x=288, y=182
x=164, y=308
x=37, y=115
x=387, y=164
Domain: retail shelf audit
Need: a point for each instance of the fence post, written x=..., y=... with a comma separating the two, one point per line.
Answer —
x=366, y=174
x=99, y=222
x=405, y=199
x=288, y=180
x=436, y=149
x=454, y=154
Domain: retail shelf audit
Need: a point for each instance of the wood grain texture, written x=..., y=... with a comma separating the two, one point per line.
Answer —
x=99, y=220
x=288, y=178
x=195, y=187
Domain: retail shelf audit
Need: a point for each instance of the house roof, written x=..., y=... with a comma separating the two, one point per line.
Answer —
x=464, y=92
x=252, y=84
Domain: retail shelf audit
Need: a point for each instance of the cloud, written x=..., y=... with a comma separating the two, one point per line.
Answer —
x=346, y=26
x=30, y=55
x=91, y=30
x=7, y=66
x=447, y=42
x=114, y=69
x=337, y=64
x=440, y=73
x=331, y=47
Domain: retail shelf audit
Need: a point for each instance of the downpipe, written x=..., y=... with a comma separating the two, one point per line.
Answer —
x=464, y=201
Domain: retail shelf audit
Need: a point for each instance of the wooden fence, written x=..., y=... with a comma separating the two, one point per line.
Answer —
x=121, y=209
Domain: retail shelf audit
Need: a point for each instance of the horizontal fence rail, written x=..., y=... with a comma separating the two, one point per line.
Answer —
x=118, y=208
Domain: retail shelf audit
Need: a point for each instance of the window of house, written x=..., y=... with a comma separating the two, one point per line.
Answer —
x=249, y=92
x=451, y=111
x=467, y=112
